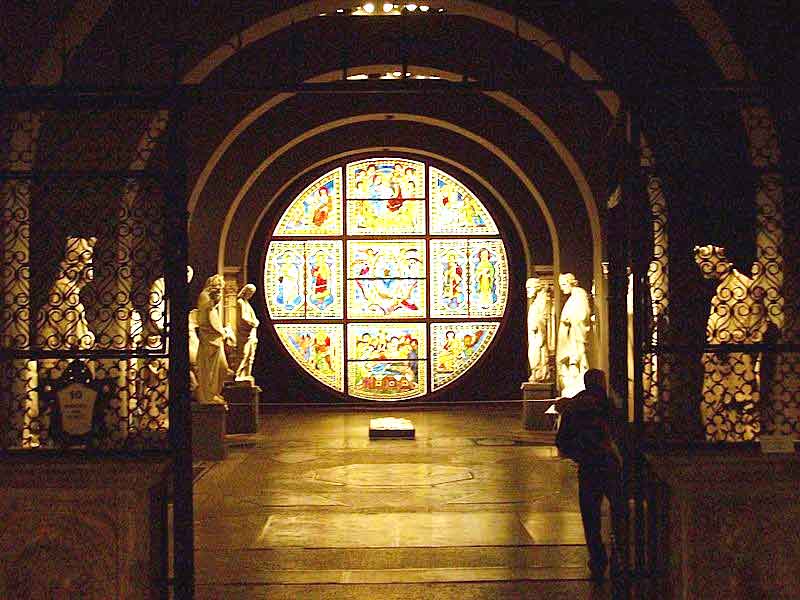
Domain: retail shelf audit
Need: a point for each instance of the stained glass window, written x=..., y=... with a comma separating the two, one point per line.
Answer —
x=390, y=288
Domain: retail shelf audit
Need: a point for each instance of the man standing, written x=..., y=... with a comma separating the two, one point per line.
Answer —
x=584, y=436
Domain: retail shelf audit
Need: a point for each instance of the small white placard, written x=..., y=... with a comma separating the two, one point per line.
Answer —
x=76, y=402
x=777, y=444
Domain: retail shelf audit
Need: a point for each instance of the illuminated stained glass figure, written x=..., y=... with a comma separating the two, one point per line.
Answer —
x=317, y=348
x=321, y=274
x=387, y=279
x=456, y=346
x=317, y=210
x=289, y=295
x=484, y=277
x=453, y=288
x=367, y=252
x=455, y=209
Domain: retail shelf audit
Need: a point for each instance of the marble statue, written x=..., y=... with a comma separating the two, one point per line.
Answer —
x=248, y=326
x=212, y=365
x=62, y=325
x=538, y=317
x=731, y=392
x=573, y=334
x=62, y=321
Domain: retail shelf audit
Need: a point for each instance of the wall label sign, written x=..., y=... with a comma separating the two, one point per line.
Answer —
x=76, y=405
x=777, y=444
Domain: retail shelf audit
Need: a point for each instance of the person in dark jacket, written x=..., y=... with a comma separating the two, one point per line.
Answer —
x=588, y=414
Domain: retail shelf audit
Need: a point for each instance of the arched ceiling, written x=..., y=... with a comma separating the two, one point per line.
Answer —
x=558, y=44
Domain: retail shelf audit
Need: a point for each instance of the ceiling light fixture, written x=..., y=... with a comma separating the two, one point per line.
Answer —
x=411, y=7
x=424, y=8
x=388, y=7
x=369, y=8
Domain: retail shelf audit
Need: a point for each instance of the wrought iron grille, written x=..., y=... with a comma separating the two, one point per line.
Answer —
x=719, y=356
x=83, y=262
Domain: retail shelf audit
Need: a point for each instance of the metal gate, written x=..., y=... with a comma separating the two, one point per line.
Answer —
x=93, y=265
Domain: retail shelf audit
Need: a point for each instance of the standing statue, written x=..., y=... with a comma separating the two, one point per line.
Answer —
x=62, y=325
x=538, y=318
x=573, y=334
x=62, y=321
x=212, y=365
x=731, y=390
x=248, y=326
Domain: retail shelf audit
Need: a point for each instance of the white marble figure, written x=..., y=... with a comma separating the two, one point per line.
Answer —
x=248, y=331
x=538, y=318
x=62, y=321
x=212, y=365
x=731, y=390
x=573, y=334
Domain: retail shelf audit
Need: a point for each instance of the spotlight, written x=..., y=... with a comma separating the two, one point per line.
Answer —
x=369, y=8
x=441, y=10
x=388, y=7
x=340, y=10
x=424, y=8
x=411, y=7
x=397, y=74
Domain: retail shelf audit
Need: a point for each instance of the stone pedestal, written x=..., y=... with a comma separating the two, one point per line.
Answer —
x=208, y=431
x=537, y=398
x=242, y=398
x=82, y=527
x=725, y=525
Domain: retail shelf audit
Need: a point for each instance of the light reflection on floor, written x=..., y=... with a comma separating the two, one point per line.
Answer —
x=313, y=506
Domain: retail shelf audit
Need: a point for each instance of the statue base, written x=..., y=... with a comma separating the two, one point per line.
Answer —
x=391, y=427
x=242, y=397
x=537, y=399
x=208, y=431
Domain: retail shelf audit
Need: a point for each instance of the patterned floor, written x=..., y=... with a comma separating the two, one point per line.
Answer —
x=311, y=508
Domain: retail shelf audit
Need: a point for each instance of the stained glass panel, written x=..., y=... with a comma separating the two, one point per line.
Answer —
x=456, y=346
x=323, y=279
x=318, y=349
x=455, y=209
x=284, y=281
x=385, y=178
x=386, y=279
x=488, y=279
x=449, y=278
x=380, y=341
x=317, y=210
x=386, y=217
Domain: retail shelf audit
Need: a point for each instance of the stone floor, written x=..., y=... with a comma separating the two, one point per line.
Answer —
x=310, y=508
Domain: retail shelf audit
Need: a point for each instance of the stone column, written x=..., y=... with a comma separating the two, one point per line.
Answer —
x=230, y=310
